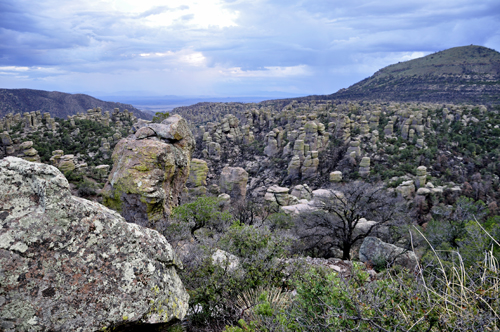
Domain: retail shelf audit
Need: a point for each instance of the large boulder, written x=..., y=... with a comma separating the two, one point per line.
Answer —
x=233, y=181
x=406, y=189
x=149, y=172
x=374, y=250
x=68, y=264
x=280, y=196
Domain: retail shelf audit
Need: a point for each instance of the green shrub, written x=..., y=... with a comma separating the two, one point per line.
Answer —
x=204, y=212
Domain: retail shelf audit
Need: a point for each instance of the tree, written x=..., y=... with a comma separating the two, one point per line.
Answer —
x=450, y=221
x=204, y=212
x=338, y=221
x=160, y=116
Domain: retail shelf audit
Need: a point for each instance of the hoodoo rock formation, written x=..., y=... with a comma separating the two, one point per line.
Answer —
x=69, y=264
x=150, y=170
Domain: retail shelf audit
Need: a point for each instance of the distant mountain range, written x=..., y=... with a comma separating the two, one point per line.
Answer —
x=469, y=74
x=58, y=104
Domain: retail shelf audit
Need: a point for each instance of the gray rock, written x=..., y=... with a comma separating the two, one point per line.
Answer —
x=225, y=260
x=374, y=249
x=423, y=191
x=336, y=176
x=26, y=145
x=294, y=167
x=68, y=264
x=406, y=189
x=233, y=181
x=302, y=192
x=279, y=195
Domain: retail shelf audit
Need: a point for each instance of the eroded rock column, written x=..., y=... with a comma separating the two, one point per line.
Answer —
x=150, y=169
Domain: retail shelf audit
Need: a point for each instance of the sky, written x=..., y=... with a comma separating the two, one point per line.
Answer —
x=226, y=47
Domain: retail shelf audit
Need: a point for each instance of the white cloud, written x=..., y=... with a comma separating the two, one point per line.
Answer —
x=413, y=55
x=182, y=57
x=14, y=68
x=201, y=13
x=300, y=70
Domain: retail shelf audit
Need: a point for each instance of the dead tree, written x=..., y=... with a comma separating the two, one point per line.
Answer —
x=336, y=222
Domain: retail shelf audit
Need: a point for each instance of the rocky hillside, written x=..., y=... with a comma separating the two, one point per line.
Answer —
x=314, y=142
x=58, y=104
x=267, y=185
x=469, y=74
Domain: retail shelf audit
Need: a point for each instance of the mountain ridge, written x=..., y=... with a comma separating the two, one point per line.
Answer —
x=458, y=74
x=58, y=104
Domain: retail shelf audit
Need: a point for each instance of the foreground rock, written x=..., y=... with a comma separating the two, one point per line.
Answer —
x=68, y=264
x=149, y=172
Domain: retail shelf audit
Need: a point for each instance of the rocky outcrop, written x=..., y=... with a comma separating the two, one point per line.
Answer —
x=336, y=176
x=364, y=167
x=233, y=181
x=29, y=153
x=280, y=196
x=149, y=172
x=406, y=189
x=375, y=251
x=197, y=181
x=68, y=264
x=6, y=145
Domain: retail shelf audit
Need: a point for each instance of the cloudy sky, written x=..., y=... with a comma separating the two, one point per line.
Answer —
x=226, y=47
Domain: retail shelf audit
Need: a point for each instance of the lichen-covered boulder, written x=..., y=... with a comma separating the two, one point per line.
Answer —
x=198, y=173
x=68, y=264
x=66, y=163
x=150, y=172
x=233, y=181
x=310, y=165
x=197, y=180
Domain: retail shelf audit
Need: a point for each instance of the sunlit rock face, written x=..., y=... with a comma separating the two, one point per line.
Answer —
x=68, y=264
x=150, y=170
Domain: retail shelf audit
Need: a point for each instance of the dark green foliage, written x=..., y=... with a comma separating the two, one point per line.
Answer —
x=214, y=286
x=160, y=116
x=204, y=212
x=88, y=140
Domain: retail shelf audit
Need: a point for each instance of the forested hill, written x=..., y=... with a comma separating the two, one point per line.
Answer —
x=58, y=104
x=467, y=74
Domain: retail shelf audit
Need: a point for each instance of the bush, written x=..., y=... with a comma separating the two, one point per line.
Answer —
x=214, y=287
x=442, y=296
x=204, y=212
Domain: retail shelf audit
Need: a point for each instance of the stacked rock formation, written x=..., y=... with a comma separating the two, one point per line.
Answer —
x=364, y=167
x=24, y=150
x=336, y=176
x=29, y=153
x=280, y=196
x=421, y=176
x=149, y=172
x=68, y=264
x=197, y=181
x=6, y=147
x=233, y=181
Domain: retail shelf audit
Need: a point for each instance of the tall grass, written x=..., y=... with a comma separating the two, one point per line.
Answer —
x=467, y=298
